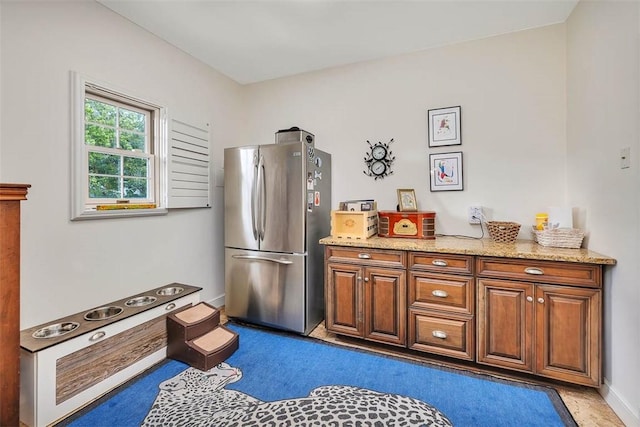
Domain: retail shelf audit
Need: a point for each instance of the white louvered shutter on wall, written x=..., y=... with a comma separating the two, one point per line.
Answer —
x=189, y=165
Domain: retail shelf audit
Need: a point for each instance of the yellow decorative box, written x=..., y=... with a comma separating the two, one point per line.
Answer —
x=354, y=224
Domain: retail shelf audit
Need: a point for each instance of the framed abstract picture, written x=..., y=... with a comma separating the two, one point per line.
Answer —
x=446, y=171
x=444, y=127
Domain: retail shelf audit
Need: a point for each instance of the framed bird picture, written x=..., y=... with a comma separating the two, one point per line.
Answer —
x=444, y=127
x=446, y=171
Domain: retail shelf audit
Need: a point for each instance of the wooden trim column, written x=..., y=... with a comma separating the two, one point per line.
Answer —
x=10, y=197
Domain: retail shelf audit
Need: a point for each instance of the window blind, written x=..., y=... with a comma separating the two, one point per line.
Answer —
x=189, y=165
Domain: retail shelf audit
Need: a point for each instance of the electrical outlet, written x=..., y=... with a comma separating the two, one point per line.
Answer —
x=474, y=214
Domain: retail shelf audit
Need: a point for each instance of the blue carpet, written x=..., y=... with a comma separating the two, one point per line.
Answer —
x=278, y=366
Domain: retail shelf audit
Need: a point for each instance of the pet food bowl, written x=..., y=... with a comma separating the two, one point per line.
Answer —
x=55, y=330
x=103, y=313
x=173, y=290
x=140, y=301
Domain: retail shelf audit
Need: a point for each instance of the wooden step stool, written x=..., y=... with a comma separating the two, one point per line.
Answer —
x=195, y=337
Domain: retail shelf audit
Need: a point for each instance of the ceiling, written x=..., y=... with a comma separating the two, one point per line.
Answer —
x=253, y=41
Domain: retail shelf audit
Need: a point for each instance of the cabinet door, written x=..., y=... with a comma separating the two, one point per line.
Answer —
x=505, y=322
x=385, y=301
x=344, y=299
x=568, y=332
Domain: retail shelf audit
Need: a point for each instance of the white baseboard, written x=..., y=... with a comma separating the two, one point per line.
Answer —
x=620, y=406
x=217, y=301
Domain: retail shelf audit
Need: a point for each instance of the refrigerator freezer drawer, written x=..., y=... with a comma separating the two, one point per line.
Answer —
x=266, y=288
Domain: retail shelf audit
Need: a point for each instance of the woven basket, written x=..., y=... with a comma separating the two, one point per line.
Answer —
x=503, y=231
x=559, y=237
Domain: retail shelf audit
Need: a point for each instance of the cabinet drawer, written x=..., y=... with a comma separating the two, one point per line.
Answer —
x=441, y=263
x=365, y=256
x=441, y=292
x=441, y=334
x=563, y=273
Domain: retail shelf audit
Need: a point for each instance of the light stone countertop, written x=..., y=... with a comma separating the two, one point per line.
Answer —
x=523, y=249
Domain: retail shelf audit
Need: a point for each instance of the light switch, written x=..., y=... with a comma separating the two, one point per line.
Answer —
x=625, y=158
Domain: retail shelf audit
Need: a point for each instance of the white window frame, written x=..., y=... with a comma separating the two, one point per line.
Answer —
x=81, y=206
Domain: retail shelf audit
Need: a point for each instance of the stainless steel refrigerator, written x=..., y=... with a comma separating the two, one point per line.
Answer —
x=277, y=200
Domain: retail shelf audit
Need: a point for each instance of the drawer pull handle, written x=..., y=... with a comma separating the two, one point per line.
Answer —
x=97, y=336
x=440, y=262
x=170, y=306
x=366, y=279
x=541, y=300
x=364, y=256
x=440, y=294
x=359, y=278
x=439, y=334
x=534, y=270
x=530, y=298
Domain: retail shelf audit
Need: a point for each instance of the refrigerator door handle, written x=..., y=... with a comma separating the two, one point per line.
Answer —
x=263, y=198
x=261, y=258
x=254, y=198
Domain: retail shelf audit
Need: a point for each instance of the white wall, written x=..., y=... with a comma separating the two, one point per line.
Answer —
x=71, y=266
x=603, y=116
x=512, y=93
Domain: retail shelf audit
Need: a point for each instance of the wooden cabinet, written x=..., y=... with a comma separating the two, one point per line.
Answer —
x=10, y=197
x=441, y=304
x=473, y=301
x=365, y=294
x=540, y=317
x=505, y=324
x=568, y=334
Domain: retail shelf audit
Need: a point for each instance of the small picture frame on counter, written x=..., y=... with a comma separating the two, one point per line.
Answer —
x=446, y=171
x=407, y=200
x=444, y=126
